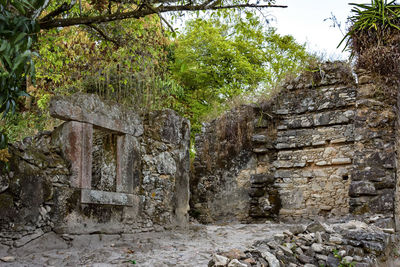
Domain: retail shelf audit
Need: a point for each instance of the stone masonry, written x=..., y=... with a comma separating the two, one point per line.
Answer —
x=104, y=170
x=323, y=146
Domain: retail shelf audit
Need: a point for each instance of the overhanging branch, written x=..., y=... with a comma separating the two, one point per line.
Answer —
x=141, y=12
x=104, y=35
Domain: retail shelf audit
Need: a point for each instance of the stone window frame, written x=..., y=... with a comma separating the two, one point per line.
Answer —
x=81, y=160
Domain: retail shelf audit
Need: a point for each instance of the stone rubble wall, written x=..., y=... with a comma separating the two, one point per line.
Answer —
x=323, y=146
x=373, y=180
x=48, y=187
x=353, y=243
x=224, y=163
x=315, y=145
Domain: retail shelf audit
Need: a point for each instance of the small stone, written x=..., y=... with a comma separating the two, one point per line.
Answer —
x=342, y=253
x=318, y=237
x=234, y=254
x=259, y=138
x=288, y=233
x=8, y=259
x=309, y=265
x=347, y=259
x=220, y=260
x=286, y=250
x=279, y=237
x=270, y=258
x=388, y=230
x=321, y=257
x=304, y=258
x=357, y=258
x=321, y=163
x=316, y=227
x=236, y=263
x=289, y=245
x=339, y=161
x=250, y=261
x=273, y=244
x=297, y=229
x=317, y=248
x=336, y=239
x=299, y=251
x=332, y=261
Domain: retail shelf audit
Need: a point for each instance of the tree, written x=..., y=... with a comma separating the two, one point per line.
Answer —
x=217, y=60
x=20, y=21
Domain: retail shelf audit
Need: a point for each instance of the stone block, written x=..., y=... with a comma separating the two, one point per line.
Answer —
x=341, y=161
x=259, y=138
x=262, y=179
x=106, y=198
x=362, y=188
x=88, y=108
x=75, y=140
x=129, y=164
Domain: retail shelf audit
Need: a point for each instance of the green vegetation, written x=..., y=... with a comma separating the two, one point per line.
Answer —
x=133, y=59
x=373, y=39
x=378, y=17
x=17, y=35
x=218, y=60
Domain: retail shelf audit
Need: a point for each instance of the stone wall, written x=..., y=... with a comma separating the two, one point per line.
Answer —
x=224, y=151
x=315, y=144
x=322, y=147
x=105, y=170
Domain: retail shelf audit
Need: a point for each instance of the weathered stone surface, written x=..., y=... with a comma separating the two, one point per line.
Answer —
x=219, y=260
x=165, y=163
x=261, y=179
x=236, y=263
x=106, y=198
x=362, y=243
x=88, y=108
x=46, y=242
x=270, y=258
x=7, y=259
x=28, y=238
x=223, y=166
x=362, y=188
x=85, y=178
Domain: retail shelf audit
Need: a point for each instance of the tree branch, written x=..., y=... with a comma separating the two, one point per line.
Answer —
x=64, y=7
x=104, y=35
x=140, y=12
x=161, y=17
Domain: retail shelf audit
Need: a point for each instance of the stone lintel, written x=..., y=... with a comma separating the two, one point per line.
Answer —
x=106, y=198
x=88, y=108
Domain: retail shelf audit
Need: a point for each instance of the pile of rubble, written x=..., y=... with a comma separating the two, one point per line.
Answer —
x=318, y=244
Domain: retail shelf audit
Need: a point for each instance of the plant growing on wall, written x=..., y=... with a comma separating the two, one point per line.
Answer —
x=373, y=38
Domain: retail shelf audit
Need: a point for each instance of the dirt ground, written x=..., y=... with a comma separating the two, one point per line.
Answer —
x=184, y=247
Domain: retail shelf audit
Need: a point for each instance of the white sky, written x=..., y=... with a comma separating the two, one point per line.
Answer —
x=304, y=19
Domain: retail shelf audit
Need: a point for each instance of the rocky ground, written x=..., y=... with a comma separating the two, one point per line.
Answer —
x=194, y=246
x=191, y=247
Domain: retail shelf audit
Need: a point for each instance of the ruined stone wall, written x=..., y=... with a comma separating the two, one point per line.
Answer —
x=99, y=172
x=315, y=144
x=321, y=147
x=223, y=166
x=373, y=181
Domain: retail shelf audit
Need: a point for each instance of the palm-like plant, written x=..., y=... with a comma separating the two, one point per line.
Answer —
x=379, y=16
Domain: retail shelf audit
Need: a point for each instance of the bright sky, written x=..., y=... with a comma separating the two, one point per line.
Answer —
x=304, y=19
